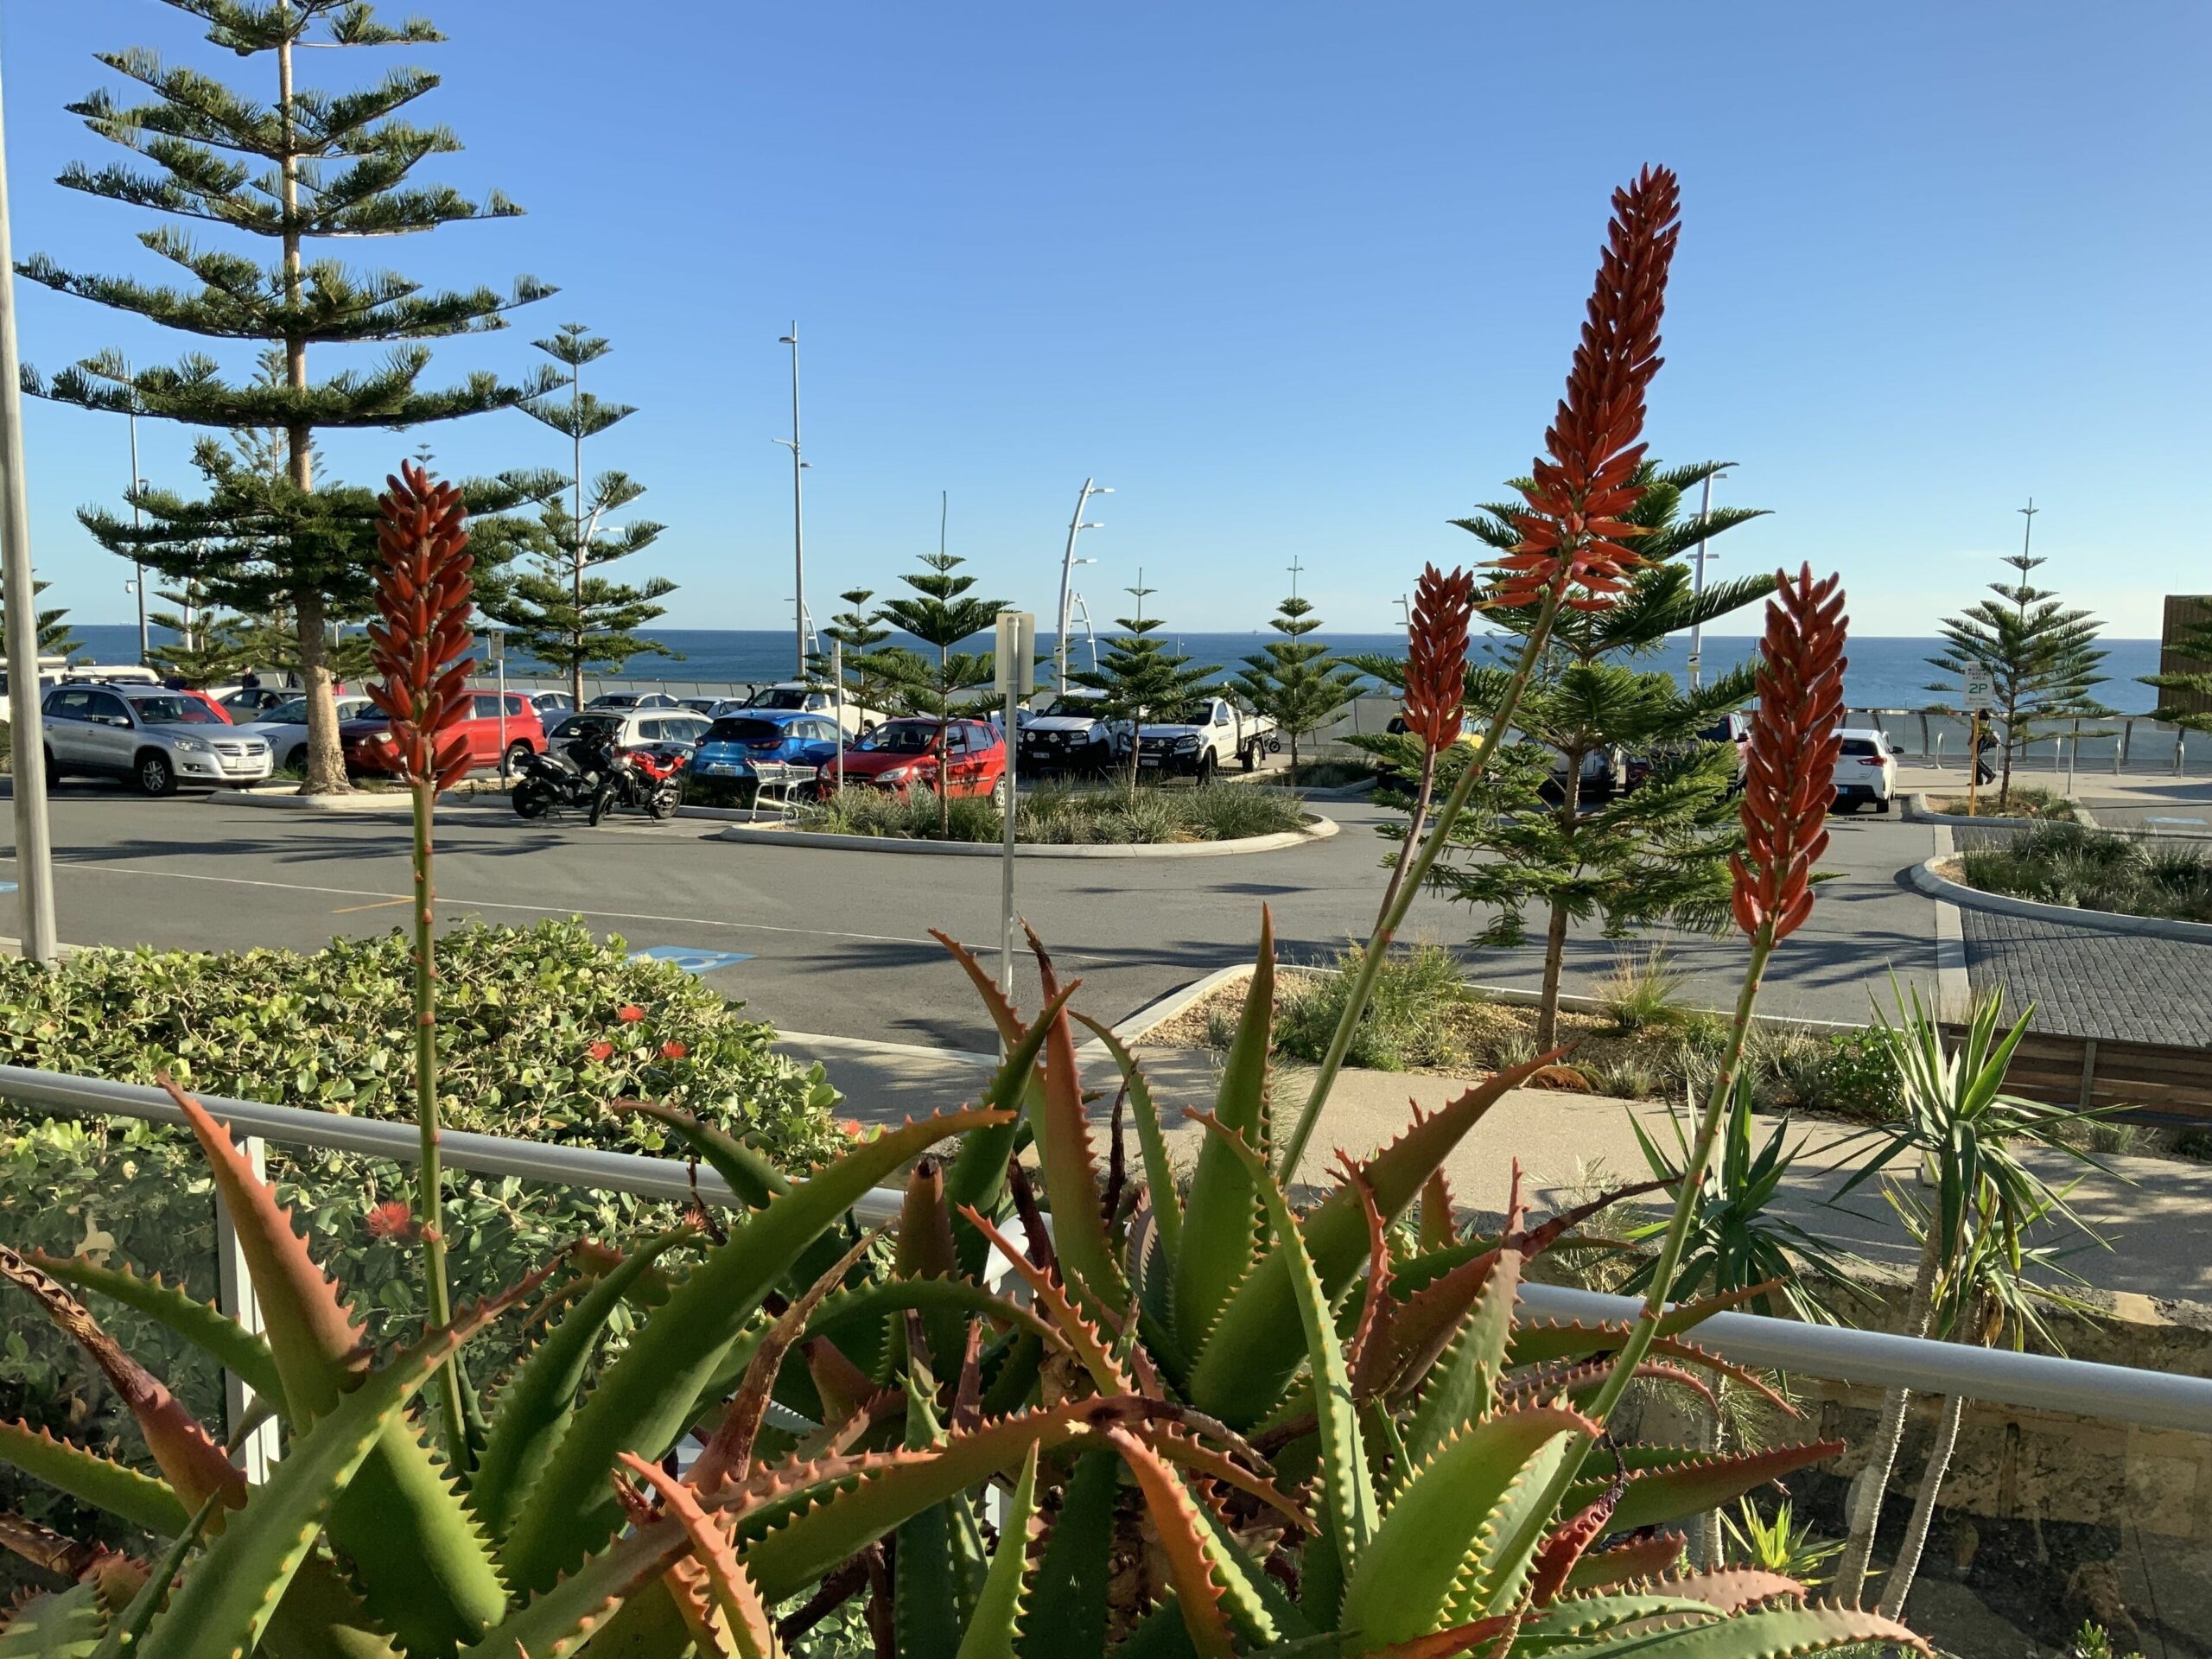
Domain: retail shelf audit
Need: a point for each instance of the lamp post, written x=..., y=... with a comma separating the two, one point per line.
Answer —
x=34, y=843
x=1697, y=582
x=798, y=518
x=1068, y=562
x=137, y=488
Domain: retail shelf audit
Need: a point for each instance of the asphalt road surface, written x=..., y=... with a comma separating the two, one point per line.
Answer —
x=837, y=942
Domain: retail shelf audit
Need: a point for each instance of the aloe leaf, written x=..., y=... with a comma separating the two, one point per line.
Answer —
x=978, y=1173
x=1068, y=1164
x=1463, y=1387
x=424, y=1568
x=818, y=1523
x=1070, y=1329
x=855, y=1320
x=1638, y=1559
x=131, y=1624
x=1152, y=1141
x=1077, y=1564
x=994, y=1626
x=747, y=1172
x=1221, y=1216
x=1691, y=1483
x=1345, y=1481
x=1568, y=1627
x=584, y=1604
x=214, y=1333
x=645, y=1399
x=90, y=1479
x=926, y=1603
x=1403, y=1586
x=227, y=1595
x=1250, y=1352
x=188, y=1456
x=1185, y=1543
x=731, y=1588
x=59, y=1624
x=538, y=1399
x=1777, y=1633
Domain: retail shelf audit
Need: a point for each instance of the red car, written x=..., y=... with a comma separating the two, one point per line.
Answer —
x=368, y=749
x=900, y=754
x=217, y=714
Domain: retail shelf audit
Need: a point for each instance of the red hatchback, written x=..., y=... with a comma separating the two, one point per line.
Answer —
x=901, y=755
x=368, y=747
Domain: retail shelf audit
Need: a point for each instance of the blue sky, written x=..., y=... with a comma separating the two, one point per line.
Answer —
x=1299, y=280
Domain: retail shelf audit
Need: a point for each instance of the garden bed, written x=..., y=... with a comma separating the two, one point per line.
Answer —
x=2080, y=868
x=1065, y=817
x=2026, y=801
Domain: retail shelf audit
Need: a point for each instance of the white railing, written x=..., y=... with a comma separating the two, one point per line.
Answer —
x=2035, y=1382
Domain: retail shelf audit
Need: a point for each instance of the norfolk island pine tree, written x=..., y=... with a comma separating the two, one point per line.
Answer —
x=940, y=614
x=2041, y=656
x=298, y=171
x=1294, y=681
x=1138, y=679
x=563, y=613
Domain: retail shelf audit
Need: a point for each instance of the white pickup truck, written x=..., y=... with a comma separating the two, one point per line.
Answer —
x=1217, y=733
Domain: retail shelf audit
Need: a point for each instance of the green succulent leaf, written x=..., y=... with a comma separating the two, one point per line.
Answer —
x=213, y=1332
x=646, y=1399
x=1667, y=1484
x=994, y=1628
x=1152, y=1142
x=1776, y=1633
x=63, y=1624
x=1074, y=1576
x=1221, y=1216
x=1463, y=1387
x=90, y=1479
x=535, y=1405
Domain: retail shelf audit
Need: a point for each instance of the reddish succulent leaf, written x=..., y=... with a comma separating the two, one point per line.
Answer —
x=1629, y=1563
x=1438, y=1226
x=1183, y=1540
x=1070, y=1329
x=924, y=1247
x=728, y=1582
x=1731, y=1589
x=1068, y=1161
x=192, y=1462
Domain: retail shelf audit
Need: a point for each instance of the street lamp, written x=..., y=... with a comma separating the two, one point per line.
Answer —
x=798, y=517
x=1068, y=562
x=1697, y=586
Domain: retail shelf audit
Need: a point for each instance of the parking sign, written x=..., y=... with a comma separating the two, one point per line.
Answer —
x=1977, y=688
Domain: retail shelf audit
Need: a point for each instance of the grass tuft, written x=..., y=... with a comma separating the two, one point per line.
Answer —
x=1066, y=815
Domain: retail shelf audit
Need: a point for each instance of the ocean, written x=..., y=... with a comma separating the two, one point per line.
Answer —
x=1884, y=672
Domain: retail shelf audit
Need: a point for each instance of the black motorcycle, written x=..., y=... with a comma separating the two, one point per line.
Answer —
x=556, y=779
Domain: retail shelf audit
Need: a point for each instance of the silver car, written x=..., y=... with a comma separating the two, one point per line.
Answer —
x=157, y=739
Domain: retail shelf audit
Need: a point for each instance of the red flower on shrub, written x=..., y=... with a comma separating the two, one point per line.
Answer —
x=420, y=642
x=1788, y=782
x=852, y=1127
x=673, y=1050
x=601, y=1050
x=1436, y=657
x=629, y=1013
x=392, y=1219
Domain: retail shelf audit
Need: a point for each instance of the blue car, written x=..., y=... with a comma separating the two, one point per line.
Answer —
x=736, y=744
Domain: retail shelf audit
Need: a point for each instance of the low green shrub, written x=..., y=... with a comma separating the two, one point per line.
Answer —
x=1641, y=991
x=1065, y=815
x=1410, y=1021
x=521, y=1011
x=2095, y=869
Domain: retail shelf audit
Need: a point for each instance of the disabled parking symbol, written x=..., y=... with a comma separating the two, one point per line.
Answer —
x=692, y=961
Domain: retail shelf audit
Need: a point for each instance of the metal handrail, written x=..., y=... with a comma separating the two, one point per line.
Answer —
x=1996, y=1376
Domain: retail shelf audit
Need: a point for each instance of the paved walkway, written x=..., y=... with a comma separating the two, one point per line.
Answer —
x=2158, y=1223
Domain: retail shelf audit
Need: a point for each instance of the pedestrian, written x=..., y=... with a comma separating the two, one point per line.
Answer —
x=1985, y=769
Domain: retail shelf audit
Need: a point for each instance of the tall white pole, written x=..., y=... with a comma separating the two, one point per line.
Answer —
x=138, y=566
x=34, y=844
x=1697, y=585
x=799, y=521
x=837, y=676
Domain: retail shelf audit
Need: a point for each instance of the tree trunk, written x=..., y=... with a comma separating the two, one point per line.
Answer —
x=2005, y=783
x=1555, y=936
x=944, y=754
x=1882, y=1453
x=1898, y=1585
x=325, y=757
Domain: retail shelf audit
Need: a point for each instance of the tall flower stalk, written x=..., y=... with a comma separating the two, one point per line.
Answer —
x=421, y=647
x=1575, y=554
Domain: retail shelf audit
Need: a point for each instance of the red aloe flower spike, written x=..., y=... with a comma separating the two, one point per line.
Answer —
x=1575, y=532
x=1436, y=657
x=421, y=645
x=1795, y=734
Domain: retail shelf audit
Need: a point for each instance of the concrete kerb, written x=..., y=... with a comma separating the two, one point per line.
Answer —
x=1932, y=882
x=1953, y=994
x=1317, y=829
x=1916, y=811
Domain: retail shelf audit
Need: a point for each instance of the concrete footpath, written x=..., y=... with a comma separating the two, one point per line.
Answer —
x=2156, y=1217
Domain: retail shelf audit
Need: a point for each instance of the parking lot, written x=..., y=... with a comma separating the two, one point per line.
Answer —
x=837, y=942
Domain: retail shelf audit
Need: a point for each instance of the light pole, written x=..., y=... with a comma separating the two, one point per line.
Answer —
x=1068, y=562
x=798, y=518
x=1697, y=582
x=34, y=845
x=1294, y=567
x=137, y=488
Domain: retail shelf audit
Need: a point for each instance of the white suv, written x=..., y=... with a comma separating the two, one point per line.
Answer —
x=1865, y=769
x=157, y=739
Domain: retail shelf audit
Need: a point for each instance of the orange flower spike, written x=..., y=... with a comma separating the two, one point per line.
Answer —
x=1436, y=657
x=1575, y=533
x=1796, y=733
x=421, y=642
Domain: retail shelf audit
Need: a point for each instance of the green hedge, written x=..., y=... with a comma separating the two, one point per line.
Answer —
x=520, y=1010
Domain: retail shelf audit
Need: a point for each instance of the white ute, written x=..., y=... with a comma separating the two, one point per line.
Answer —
x=1217, y=733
